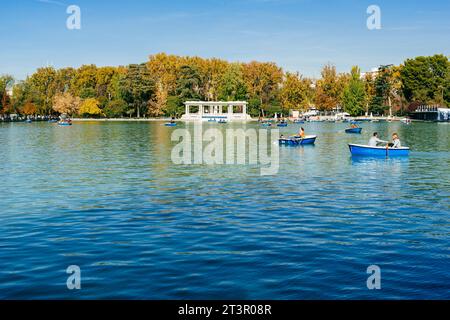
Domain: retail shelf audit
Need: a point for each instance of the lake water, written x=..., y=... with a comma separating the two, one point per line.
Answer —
x=106, y=197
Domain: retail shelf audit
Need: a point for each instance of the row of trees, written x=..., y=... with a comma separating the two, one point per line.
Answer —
x=160, y=86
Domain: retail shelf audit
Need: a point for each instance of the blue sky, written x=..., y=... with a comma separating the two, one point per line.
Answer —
x=299, y=35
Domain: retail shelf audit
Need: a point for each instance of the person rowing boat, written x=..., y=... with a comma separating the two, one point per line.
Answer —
x=374, y=140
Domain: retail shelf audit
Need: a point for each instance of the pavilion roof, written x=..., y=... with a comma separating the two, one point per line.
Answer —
x=215, y=103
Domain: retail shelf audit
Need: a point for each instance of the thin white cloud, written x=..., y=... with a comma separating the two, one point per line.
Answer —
x=54, y=2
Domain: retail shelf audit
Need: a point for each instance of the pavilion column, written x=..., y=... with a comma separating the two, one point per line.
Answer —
x=220, y=109
x=244, y=109
x=187, y=109
x=230, y=112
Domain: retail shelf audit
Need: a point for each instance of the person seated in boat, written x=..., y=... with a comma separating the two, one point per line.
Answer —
x=353, y=126
x=396, y=143
x=302, y=134
x=374, y=141
x=172, y=120
x=282, y=136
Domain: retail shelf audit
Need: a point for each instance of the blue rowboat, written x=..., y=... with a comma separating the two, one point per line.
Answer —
x=170, y=124
x=299, y=121
x=64, y=123
x=353, y=130
x=297, y=141
x=266, y=124
x=28, y=121
x=282, y=124
x=363, y=150
x=52, y=121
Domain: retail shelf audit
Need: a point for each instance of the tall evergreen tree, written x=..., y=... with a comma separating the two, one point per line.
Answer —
x=137, y=87
x=188, y=83
x=380, y=101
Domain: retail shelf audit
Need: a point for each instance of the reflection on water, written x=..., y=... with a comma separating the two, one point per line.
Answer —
x=370, y=163
x=106, y=197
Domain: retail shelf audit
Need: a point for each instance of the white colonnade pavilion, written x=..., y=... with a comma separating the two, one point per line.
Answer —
x=216, y=111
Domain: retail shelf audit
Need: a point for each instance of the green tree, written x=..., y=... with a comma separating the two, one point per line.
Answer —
x=21, y=95
x=232, y=85
x=446, y=87
x=188, y=84
x=425, y=79
x=174, y=107
x=354, y=97
x=254, y=107
x=86, y=93
x=383, y=86
x=115, y=108
x=6, y=83
x=136, y=88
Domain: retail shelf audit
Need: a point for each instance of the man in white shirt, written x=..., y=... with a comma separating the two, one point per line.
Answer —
x=374, y=141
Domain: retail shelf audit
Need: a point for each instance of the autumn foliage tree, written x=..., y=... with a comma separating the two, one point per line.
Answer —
x=263, y=81
x=296, y=92
x=29, y=109
x=65, y=103
x=329, y=89
x=90, y=107
x=44, y=87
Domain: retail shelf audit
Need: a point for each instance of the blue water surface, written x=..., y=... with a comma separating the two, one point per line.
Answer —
x=106, y=196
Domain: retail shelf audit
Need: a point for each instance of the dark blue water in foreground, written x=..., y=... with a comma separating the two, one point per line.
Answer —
x=106, y=197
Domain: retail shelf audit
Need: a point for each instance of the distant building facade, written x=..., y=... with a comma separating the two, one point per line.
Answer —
x=431, y=113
